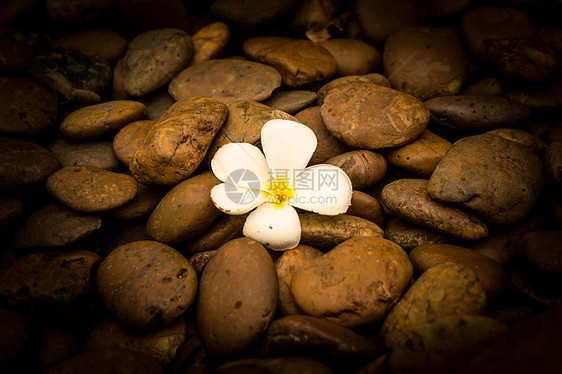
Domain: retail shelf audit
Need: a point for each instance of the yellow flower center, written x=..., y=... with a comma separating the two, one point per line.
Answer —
x=279, y=191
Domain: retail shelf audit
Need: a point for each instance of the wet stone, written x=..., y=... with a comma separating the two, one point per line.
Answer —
x=90, y=189
x=353, y=57
x=97, y=153
x=152, y=58
x=77, y=77
x=369, y=116
x=129, y=139
x=410, y=236
x=209, y=41
x=54, y=225
x=105, y=43
x=291, y=101
x=26, y=108
x=226, y=80
x=22, y=46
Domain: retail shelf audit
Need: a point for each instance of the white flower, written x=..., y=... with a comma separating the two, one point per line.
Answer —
x=276, y=183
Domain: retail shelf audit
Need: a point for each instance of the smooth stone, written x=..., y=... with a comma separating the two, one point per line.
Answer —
x=257, y=47
x=55, y=225
x=328, y=231
x=364, y=168
x=161, y=344
x=108, y=361
x=186, y=210
x=243, y=125
x=129, y=139
x=439, y=67
x=410, y=236
x=537, y=287
x=250, y=13
x=176, y=145
x=277, y=365
x=79, y=78
x=144, y=202
x=379, y=19
x=200, y=259
x=237, y=297
x=421, y=156
x=11, y=212
x=55, y=345
x=520, y=136
x=157, y=104
x=408, y=199
x=76, y=11
x=310, y=336
x=492, y=86
x=499, y=179
x=146, y=285
x=209, y=41
x=26, y=108
x=98, y=153
x=90, y=189
x=542, y=99
x=492, y=275
x=291, y=101
x=16, y=334
x=435, y=344
x=470, y=113
x=353, y=57
x=98, y=120
x=369, y=78
x=223, y=229
x=138, y=16
x=444, y=290
x=286, y=265
x=100, y=42
x=370, y=116
x=153, y=58
x=52, y=283
x=553, y=161
x=327, y=145
x=21, y=45
x=541, y=251
x=226, y=80
x=24, y=163
x=366, y=206
x=355, y=284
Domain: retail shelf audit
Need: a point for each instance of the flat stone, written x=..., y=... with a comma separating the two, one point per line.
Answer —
x=97, y=153
x=291, y=101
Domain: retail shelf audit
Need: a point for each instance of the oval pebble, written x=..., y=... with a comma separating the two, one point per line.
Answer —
x=353, y=56
x=291, y=101
x=98, y=153
x=146, y=285
x=369, y=78
x=90, y=189
x=366, y=206
x=364, y=168
x=209, y=41
x=410, y=236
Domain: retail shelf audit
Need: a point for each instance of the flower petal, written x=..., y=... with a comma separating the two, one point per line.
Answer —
x=324, y=189
x=242, y=165
x=277, y=228
x=287, y=145
x=236, y=200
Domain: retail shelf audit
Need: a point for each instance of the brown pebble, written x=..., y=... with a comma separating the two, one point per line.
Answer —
x=223, y=229
x=364, y=168
x=291, y=101
x=129, y=139
x=366, y=206
x=144, y=202
x=369, y=78
x=410, y=236
x=527, y=139
x=353, y=57
x=98, y=153
x=209, y=41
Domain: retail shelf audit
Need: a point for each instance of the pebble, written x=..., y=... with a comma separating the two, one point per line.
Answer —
x=328, y=231
x=54, y=225
x=51, y=283
x=152, y=58
x=237, y=298
x=529, y=140
x=224, y=228
x=226, y=80
x=410, y=236
x=364, y=168
x=366, y=206
x=369, y=78
x=492, y=275
x=210, y=41
x=105, y=43
x=541, y=250
x=553, y=161
x=129, y=139
x=277, y=365
x=256, y=47
x=369, y=116
x=98, y=153
x=76, y=76
x=471, y=112
x=140, y=206
x=444, y=290
x=426, y=62
x=355, y=284
x=16, y=333
x=353, y=57
x=185, y=211
x=146, y=285
x=499, y=179
x=95, y=121
x=408, y=199
x=251, y=13
x=21, y=45
x=24, y=163
x=291, y=101
x=26, y=108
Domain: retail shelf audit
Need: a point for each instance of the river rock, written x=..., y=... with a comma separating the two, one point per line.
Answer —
x=553, y=161
x=176, y=145
x=541, y=251
x=255, y=48
x=369, y=78
x=354, y=284
x=209, y=41
x=364, y=168
x=366, y=206
x=55, y=283
x=237, y=297
x=520, y=136
x=129, y=139
x=498, y=178
x=153, y=57
x=98, y=120
x=55, y=225
x=146, y=285
x=409, y=200
x=26, y=108
x=439, y=67
x=185, y=211
x=291, y=101
x=224, y=228
x=98, y=153
x=444, y=290
x=369, y=116
x=226, y=80
x=410, y=236
x=105, y=43
x=470, y=112
x=353, y=57
x=250, y=13
x=24, y=163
